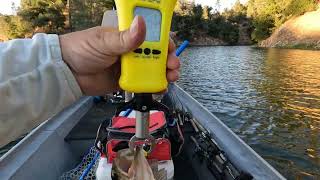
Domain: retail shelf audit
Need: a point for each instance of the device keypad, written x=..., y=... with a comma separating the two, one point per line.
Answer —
x=156, y=52
x=139, y=51
x=147, y=51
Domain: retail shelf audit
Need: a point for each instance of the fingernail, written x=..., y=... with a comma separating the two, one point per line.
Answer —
x=134, y=25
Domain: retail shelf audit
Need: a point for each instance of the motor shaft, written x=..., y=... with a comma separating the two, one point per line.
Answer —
x=143, y=104
x=142, y=124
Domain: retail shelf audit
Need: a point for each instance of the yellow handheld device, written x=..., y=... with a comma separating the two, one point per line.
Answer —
x=144, y=69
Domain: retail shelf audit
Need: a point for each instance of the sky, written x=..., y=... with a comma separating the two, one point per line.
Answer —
x=224, y=3
x=5, y=7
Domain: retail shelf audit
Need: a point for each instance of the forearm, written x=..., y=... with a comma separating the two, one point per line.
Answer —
x=35, y=84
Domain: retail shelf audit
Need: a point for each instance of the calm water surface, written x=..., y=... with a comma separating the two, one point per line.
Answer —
x=269, y=97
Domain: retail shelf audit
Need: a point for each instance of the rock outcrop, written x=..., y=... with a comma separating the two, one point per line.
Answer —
x=299, y=32
x=200, y=40
x=207, y=41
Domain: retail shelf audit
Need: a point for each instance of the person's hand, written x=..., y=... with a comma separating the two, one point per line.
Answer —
x=93, y=56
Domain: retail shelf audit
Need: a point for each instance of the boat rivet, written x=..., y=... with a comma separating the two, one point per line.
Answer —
x=144, y=108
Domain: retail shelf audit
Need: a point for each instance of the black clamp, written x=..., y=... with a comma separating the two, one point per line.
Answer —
x=144, y=103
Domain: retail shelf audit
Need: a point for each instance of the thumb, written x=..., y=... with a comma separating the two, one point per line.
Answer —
x=117, y=43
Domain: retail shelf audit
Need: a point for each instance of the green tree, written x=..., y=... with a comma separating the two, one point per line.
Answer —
x=298, y=7
x=197, y=12
x=4, y=26
x=183, y=25
x=206, y=12
x=192, y=21
x=263, y=27
x=45, y=16
x=28, y=3
x=230, y=33
x=13, y=27
x=237, y=13
x=239, y=9
x=88, y=13
x=186, y=19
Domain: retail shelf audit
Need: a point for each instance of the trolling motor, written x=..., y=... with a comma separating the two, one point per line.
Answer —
x=143, y=71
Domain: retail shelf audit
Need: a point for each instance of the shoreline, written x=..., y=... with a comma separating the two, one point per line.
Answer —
x=311, y=47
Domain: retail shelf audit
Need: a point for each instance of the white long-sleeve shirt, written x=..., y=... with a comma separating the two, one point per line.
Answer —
x=35, y=84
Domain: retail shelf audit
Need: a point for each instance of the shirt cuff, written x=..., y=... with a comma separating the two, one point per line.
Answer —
x=54, y=45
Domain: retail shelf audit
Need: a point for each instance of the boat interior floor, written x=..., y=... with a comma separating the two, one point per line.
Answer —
x=83, y=135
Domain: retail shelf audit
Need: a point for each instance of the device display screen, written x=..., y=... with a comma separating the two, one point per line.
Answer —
x=153, y=18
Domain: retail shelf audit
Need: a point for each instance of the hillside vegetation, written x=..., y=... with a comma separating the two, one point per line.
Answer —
x=202, y=25
x=268, y=15
x=52, y=16
x=299, y=32
x=243, y=24
x=207, y=26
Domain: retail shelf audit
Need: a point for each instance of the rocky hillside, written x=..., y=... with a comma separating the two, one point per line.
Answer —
x=299, y=32
x=3, y=37
x=202, y=39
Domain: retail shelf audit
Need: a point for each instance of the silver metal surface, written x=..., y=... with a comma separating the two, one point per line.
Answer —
x=43, y=153
x=128, y=96
x=238, y=151
x=148, y=141
x=142, y=124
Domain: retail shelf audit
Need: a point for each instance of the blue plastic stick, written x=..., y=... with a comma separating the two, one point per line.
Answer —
x=87, y=170
x=182, y=47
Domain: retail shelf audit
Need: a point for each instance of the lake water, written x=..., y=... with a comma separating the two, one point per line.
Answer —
x=269, y=97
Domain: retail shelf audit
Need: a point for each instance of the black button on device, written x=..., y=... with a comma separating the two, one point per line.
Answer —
x=156, y=52
x=147, y=51
x=139, y=51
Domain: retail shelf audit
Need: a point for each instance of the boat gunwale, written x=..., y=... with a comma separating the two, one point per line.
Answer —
x=13, y=163
x=234, y=147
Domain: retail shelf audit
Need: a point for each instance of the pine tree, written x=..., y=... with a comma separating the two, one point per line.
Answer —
x=88, y=13
x=44, y=15
x=206, y=12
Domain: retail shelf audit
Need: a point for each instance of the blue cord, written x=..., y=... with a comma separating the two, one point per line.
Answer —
x=127, y=113
x=87, y=170
x=97, y=99
x=173, y=123
x=182, y=47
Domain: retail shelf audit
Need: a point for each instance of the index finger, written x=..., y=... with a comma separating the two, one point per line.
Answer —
x=172, y=46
